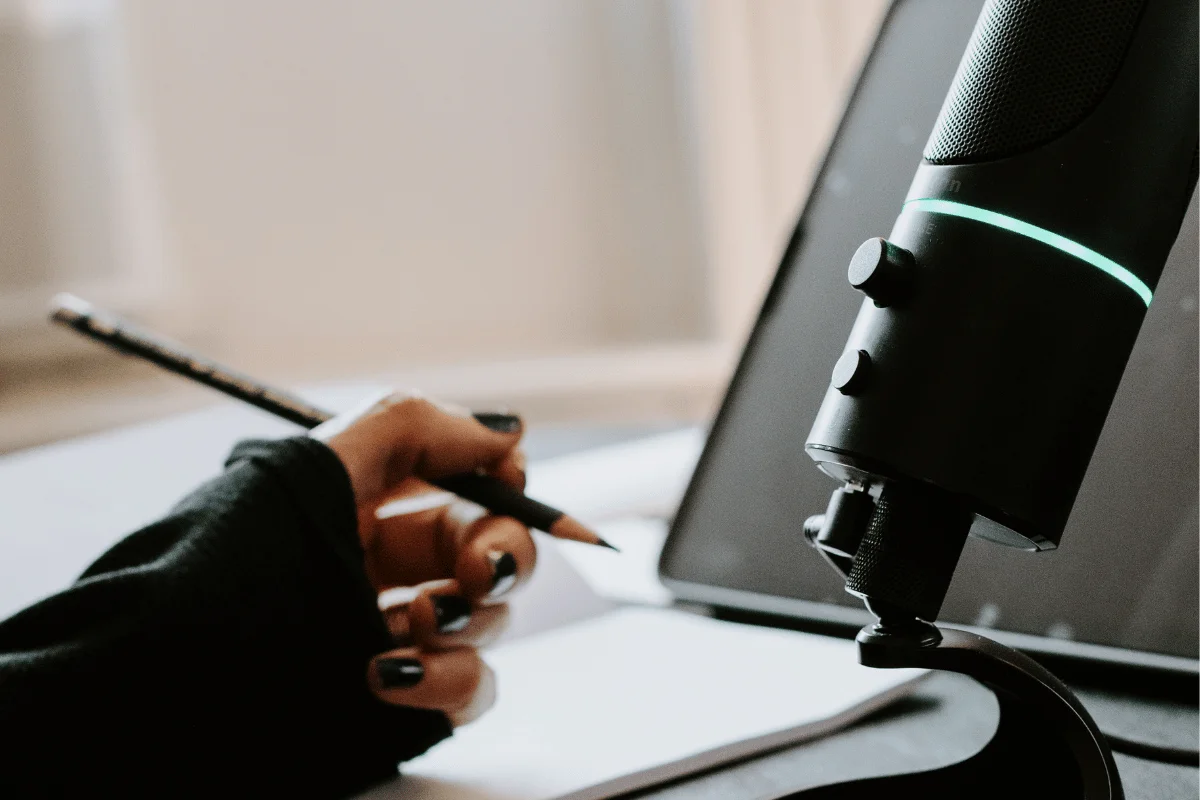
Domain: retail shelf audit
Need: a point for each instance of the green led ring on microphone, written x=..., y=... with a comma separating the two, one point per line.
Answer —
x=1072, y=248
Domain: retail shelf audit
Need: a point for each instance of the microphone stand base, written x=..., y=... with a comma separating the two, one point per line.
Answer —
x=1046, y=746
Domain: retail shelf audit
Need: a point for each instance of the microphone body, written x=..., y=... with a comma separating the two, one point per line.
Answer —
x=1003, y=306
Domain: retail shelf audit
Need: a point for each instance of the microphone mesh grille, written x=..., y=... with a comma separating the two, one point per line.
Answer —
x=1032, y=70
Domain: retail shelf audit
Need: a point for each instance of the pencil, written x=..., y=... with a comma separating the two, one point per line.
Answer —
x=485, y=490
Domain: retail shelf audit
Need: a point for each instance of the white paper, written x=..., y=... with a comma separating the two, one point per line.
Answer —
x=638, y=696
x=630, y=576
x=555, y=595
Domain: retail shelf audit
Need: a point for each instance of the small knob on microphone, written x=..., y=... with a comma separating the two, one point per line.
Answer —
x=852, y=372
x=882, y=271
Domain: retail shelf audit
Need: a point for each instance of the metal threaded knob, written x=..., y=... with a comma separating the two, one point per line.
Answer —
x=910, y=550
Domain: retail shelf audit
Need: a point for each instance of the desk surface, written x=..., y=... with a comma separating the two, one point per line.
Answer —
x=948, y=719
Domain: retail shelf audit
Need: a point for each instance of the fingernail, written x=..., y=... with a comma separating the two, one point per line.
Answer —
x=451, y=612
x=399, y=673
x=504, y=572
x=501, y=423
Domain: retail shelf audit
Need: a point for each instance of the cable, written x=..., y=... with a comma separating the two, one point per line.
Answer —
x=1182, y=756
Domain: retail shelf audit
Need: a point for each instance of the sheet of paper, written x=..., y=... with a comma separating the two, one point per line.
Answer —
x=641, y=695
x=555, y=595
x=630, y=576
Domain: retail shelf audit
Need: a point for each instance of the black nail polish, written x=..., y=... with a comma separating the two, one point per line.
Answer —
x=504, y=572
x=451, y=612
x=501, y=423
x=399, y=673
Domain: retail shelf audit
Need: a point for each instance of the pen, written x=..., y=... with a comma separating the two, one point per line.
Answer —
x=485, y=490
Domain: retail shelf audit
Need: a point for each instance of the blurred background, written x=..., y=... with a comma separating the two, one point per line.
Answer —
x=570, y=209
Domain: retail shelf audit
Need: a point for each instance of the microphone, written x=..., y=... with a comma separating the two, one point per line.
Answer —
x=1001, y=309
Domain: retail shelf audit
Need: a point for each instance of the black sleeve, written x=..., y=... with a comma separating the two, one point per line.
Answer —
x=222, y=650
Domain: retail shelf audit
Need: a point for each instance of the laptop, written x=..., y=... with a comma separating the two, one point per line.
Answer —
x=1121, y=589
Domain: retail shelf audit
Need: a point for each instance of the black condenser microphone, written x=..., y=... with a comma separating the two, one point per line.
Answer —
x=1003, y=306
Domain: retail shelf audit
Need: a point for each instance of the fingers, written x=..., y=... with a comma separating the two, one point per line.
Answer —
x=429, y=442
x=438, y=617
x=497, y=556
x=511, y=469
x=489, y=555
x=455, y=682
x=439, y=667
x=402, y=436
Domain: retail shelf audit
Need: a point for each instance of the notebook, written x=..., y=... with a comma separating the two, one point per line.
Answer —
x=637, y=696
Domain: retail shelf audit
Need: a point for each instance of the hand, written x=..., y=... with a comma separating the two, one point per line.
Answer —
x=457, y=560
